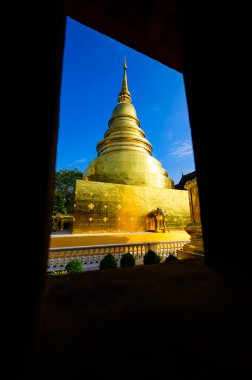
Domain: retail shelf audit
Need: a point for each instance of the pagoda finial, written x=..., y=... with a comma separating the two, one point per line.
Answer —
x=124, y=96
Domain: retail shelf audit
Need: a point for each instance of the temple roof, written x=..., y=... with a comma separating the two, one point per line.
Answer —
x=184, y=179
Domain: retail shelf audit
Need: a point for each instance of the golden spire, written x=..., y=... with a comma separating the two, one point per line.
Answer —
x=124, y=154
x=124, y=96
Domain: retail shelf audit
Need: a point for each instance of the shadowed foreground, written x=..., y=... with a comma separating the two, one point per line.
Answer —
x=174, y=319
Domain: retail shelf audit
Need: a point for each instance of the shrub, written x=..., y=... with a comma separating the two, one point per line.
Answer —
x=108, y=262
x=74, y=266
x=127, y=260
x=171, y=258
x=151, y=257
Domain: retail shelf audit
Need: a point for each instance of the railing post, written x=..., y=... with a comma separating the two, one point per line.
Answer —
x=58, y=260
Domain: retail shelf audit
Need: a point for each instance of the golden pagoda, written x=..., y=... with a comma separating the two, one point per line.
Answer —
x=125, y=188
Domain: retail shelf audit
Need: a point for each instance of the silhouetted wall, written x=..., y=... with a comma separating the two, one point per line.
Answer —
x=35, y=56
x=212, y=70
x=35, y=52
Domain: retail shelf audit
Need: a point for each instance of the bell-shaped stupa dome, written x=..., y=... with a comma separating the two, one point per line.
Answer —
x=124, y=154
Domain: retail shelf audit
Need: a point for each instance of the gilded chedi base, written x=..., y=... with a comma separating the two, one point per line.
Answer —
x=109, y=207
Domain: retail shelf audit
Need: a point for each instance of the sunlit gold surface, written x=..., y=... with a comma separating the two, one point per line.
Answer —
x=129, y=168
x=194, y=201
x=126, y=207
x=72, y=240
x=125, y=183
x=194, y=228
x=124, y=154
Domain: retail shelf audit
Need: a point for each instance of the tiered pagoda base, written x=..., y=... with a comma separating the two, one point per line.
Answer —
x=109, y=207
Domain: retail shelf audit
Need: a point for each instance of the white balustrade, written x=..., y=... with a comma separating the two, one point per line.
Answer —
x=90, y=256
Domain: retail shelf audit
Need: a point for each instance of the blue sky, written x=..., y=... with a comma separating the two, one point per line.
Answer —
x=91, y=81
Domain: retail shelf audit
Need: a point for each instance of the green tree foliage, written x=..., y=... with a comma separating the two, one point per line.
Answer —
x=64, y=185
